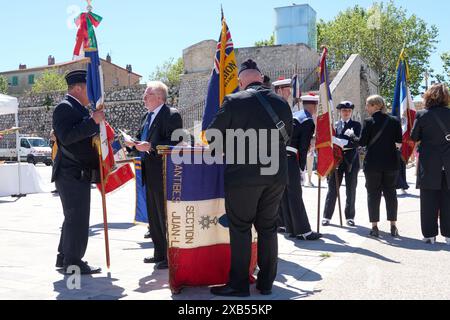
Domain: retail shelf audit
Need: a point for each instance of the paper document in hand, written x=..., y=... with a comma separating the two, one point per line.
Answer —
x=127, y=137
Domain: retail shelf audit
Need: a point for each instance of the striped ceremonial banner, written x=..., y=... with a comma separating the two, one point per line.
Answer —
x=198, y=234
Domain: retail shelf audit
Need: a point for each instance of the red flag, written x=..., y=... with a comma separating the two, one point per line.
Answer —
x=324, y=130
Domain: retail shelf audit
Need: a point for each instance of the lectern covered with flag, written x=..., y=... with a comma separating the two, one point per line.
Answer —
x=197, y=225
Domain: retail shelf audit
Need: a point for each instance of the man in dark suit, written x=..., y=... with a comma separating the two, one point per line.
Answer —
x=74, y=165
x=252, y=196
x=382, y=135
x=347, y=130
x=157, y=128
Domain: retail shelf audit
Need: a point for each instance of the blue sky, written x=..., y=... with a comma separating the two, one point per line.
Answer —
x=145, y=33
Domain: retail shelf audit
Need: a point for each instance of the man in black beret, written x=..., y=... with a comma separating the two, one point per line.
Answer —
x=252, y=196
x=348, y=132
x=74, y=166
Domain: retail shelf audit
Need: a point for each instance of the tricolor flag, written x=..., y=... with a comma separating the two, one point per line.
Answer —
x=197, y=225
x=403, y=106
x=224, y=77
x=324, y=130
x=86, y=47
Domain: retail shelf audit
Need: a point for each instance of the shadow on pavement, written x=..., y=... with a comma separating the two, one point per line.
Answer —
x=92, y=288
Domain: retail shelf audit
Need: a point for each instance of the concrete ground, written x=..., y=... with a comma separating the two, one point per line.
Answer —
x=346, y=264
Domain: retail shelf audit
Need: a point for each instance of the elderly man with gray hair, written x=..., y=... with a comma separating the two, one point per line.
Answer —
x=159, y=122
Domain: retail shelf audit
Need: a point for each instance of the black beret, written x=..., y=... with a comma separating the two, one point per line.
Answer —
x=248, y=65
x=345, y=105
x=76, y=76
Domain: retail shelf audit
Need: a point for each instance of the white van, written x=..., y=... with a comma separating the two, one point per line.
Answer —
x=32, y=150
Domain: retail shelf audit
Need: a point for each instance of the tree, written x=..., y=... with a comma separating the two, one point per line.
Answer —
x=170, y=73
x=265, y=43
x=379, y=34
x=49, y=81
x=446, y=61
x=3, y=85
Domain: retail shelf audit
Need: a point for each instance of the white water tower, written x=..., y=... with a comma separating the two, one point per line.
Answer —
x=296, y=24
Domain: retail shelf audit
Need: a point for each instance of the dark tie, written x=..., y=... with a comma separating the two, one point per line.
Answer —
x=146, y=129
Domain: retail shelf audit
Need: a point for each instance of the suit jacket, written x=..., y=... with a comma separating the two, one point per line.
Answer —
x=383, y=155
x=434, y=150
x=303, y=132
x=166, y=122
x=351, y=157
x=243, y=111
x=74, y=130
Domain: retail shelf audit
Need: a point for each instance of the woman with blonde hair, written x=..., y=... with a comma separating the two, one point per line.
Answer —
x=381, y=135
x=432, y=130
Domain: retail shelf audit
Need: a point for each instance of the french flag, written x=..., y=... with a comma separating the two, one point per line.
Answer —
x=403, y=106
x=198, y=234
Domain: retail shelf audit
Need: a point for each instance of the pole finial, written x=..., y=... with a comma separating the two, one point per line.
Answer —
x=89, y=5
x=221, y=10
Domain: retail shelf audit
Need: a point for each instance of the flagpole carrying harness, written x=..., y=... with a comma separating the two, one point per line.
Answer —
x=442, y=126
x=281, y=126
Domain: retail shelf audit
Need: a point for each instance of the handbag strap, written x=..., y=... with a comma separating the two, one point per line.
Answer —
x=281, y=126
x=442, y=126
x=378, y=135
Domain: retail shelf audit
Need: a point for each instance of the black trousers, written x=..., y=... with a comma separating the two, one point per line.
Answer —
x=157, y=221
x=378, y=183
x=75, y=194
x=292, y=209
x=402, y=183
x=247, y=206
x=351, y=183
x=435, y=205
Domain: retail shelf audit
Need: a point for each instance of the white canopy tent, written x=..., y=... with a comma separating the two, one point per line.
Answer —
x=10, y=105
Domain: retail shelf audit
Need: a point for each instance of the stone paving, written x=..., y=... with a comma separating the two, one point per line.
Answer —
x=346, y=264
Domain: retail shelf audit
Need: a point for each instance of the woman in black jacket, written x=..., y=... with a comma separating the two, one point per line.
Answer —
x=381, y=135
x=432, y=130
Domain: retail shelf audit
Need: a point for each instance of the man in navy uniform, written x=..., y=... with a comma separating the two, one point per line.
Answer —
x=348, y=131
x=74, y=170
x=293, y=216
x=252, y=197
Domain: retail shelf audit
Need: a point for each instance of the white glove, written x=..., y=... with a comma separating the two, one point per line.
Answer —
x=340, y=142
x=349, y=133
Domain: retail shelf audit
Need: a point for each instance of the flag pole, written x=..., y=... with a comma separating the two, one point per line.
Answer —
x=338, y=193
x=105, y=214
x=318, y=204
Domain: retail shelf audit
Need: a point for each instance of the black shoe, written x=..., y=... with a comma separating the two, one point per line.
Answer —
x=148, y=235
x=85, y=269
x=264, y=292
x=394, y=232
x=292, y=236
x=227, y=291
x=163, y=265
x=312, y=237
x=281, y=230
x=59, y=261
x=152, y=260
x=375, y=232
x=351, y=223
x=325, y=223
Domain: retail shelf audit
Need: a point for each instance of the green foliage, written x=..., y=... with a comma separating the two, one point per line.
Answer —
x=446, y=61
x=265, y=43
x=3, y=85
x=379, y=34
x=170, y=73
x=49, y=81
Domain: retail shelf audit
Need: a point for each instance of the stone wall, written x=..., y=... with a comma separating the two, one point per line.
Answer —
x=274, y=61
x=355, y=82
x=133, y=93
